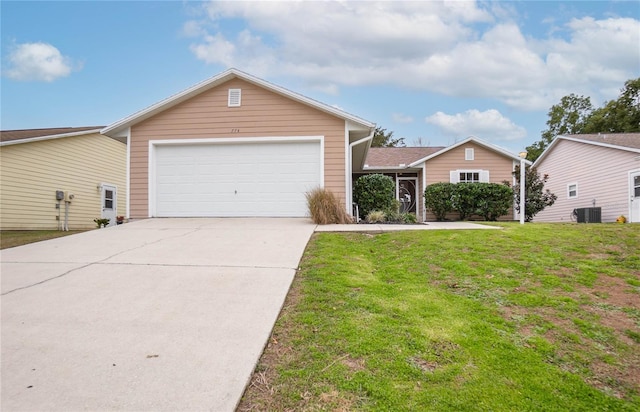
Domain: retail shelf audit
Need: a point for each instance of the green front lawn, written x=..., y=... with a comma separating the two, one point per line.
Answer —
x=534, y=317
x=13, y=238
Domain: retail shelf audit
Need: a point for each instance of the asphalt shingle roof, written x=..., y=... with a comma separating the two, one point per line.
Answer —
x=380, y=157
x=631, y=140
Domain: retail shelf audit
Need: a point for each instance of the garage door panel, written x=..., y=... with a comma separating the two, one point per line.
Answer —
x=257, y=179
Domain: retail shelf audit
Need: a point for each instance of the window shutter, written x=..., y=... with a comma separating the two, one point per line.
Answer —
x=453, y=176
x=484, y=176
x=235, y=97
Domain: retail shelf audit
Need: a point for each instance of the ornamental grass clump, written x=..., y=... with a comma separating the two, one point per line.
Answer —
x=325, y=208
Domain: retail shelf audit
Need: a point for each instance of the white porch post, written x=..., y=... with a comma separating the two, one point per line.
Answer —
x=523, y=156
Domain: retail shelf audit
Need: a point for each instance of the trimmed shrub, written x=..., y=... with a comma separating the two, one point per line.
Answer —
x=373, y=192
x=438, y=199
x=376, y=216
x=494, y=200
x=325, y=208
x=465, y=199
x=489, y=200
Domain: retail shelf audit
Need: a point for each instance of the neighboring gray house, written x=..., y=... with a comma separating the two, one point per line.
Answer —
x=592, y=170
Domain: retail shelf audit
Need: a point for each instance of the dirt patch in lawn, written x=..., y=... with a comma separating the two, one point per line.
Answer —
x=602, y=330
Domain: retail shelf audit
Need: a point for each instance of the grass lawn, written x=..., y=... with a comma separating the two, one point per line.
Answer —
x=13, y=238
x=542, y=317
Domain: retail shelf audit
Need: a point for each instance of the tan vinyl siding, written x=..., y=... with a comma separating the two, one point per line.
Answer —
x=601, y=174
x=499, y=166
x=32, y=172
x=262, y=114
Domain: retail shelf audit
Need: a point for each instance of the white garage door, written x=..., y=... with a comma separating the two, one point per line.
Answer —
x=249, y=179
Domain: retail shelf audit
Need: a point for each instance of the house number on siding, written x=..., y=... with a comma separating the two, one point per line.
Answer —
x=235, y=130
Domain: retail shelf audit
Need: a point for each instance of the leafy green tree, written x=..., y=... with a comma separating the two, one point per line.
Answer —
x=618, y=116
x=382, y=138
x=575, y=115
x=536, y=197
x=567, y=117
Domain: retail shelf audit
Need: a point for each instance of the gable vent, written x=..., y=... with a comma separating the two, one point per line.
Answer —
x=235, y=97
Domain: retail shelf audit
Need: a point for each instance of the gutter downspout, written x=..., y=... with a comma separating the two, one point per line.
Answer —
x=349, y=204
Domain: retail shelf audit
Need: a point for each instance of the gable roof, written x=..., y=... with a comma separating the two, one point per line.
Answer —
x=621, y=141
x=120, y=127
x=8, y=137
x=473, y=139
x=396, y=157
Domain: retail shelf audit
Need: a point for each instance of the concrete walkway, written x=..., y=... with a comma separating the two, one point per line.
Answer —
x=160, y=314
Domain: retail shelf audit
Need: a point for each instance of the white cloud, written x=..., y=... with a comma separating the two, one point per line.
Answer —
x=401, y=118
x=37, y=62
x=462, y=49
x=489, y=125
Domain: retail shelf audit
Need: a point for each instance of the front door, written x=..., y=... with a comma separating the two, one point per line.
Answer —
x=407, y=195
x=109, y=203
x=634, y=182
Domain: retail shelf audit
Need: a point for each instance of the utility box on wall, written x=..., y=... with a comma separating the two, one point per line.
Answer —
x=589, y=215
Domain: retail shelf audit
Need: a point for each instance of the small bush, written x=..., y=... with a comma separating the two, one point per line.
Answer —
x=465, y=199
x=325, y=208
x=373, y=192
x=101, y=222
x=409, y=218
x=376, y=216
x=438, y=198
x=489, y=200
x=494, y=200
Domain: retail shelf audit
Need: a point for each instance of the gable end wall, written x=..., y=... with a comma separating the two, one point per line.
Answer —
x=601, y=173
x=261, y=114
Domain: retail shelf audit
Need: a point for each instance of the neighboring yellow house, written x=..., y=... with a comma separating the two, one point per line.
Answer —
x=50, y=177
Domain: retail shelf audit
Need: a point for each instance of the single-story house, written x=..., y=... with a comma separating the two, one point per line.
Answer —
x=60, y=178
x=414, y=168
x=237, y=145
x=592, y=170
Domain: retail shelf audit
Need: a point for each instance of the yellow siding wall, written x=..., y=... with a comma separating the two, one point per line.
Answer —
x=262, y=114
x=32, y=172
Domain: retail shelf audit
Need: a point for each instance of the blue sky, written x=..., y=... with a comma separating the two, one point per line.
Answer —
x=431, y=72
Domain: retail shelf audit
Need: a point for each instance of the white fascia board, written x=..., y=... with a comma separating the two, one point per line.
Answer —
x=50, y=137
x=473, y=139
x=116, y=129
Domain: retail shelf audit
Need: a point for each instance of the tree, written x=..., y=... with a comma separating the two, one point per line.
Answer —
x=567, y=117
x=382, y=138
x=618, y=116
x=536, y=198
x=575, y=115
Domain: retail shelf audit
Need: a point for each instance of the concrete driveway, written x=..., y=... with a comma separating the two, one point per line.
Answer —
x=160, y=314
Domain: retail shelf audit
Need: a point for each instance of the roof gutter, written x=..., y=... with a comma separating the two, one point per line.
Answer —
x=49, y=137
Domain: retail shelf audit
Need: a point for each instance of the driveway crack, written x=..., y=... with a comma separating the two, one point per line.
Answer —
x=101, y=261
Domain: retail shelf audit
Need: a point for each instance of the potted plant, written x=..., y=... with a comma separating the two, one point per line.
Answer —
x=119, y=220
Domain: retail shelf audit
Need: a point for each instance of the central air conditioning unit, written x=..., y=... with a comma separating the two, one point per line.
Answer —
x=589, y=215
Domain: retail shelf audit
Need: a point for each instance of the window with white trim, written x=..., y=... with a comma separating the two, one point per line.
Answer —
x=469, y=176
x=572, y=190
x=468, y=154
x=235, y=97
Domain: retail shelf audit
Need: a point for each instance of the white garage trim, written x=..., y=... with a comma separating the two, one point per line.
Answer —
x=154, y=144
